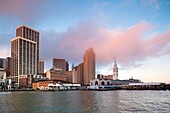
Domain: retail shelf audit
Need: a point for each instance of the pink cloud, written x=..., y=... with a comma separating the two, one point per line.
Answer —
x=31, y=11
x=129, y=46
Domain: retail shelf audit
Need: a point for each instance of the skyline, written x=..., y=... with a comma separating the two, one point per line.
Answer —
x=139, y=41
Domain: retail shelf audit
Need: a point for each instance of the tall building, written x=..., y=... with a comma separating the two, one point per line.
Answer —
x=67, y=66
x=89, y=66
x=115, y=71
x=80, y=73
x=24, y=53
x=61, y=64
x=41, y=66
x=74, y=75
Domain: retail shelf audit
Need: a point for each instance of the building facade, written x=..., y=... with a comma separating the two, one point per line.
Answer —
x=41, y=66
x=69, y=76
x=55, y=74
x=61, y=64
x=89, y=66
x=80, y=73
x=74, y=75
x=24, y=53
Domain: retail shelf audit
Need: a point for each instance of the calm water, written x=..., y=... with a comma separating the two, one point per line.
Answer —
x=85, y=101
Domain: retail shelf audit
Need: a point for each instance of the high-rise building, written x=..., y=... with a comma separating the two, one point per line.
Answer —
x=89, y=66
x=61, y=64
x=74, y=75
x=41, y=66
x=24, y=53
x=80, y=73
x=115, y=71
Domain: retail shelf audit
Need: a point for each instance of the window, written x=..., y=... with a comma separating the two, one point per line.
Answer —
x=102, y=83
x=96, y=83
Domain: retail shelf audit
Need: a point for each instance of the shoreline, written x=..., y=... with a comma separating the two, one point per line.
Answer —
x=84, y=90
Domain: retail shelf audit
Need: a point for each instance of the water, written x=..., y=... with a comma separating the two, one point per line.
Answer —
x=121, y=101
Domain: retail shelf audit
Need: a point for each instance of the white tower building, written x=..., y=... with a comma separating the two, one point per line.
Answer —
x=115, y=71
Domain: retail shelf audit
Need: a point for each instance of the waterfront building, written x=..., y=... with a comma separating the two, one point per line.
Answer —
x=113, y=84
x=99, y=82
x=89, y=66
x=38, y=85
x=115, y=71
x=24, y=53
x=61, y=64
x=54, y=85
x=41, y=66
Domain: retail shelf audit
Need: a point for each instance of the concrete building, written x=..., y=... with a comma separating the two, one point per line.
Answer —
x=89, y=66
x=115, y=71
x=69, y=76
x=55, y=74
x=74, y=75
x=80, y=73
x=41, y=66
x=24, y=53
x=61, y=64
x=100, y=82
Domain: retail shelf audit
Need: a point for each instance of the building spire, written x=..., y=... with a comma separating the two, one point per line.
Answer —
x=115, y=70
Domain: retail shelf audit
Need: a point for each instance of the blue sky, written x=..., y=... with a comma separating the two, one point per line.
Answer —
x=136, y=32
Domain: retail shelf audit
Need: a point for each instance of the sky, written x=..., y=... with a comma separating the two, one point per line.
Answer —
x=135, y=32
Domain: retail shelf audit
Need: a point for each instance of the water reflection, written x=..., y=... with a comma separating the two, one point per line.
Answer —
x=85, y=101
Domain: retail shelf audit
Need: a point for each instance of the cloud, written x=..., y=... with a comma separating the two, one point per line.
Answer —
x=31, y=11
x=129, y=46
x=5, y=52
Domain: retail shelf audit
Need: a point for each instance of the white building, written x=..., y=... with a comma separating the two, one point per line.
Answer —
x=115, y=71
x=96, y=83
x=74, y=76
